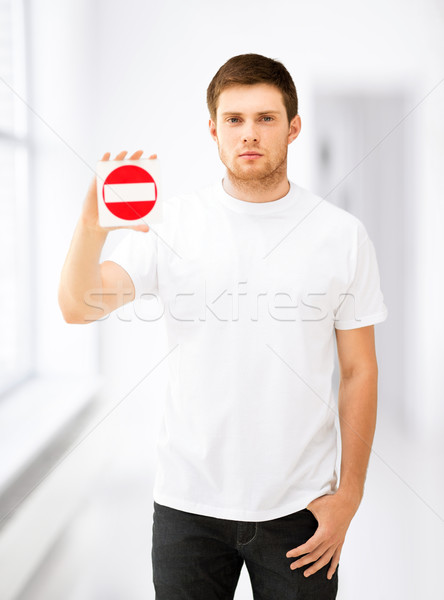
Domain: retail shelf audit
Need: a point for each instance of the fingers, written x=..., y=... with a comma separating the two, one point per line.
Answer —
x=319, y=558
x=136, y=155
x=334, y=562
x=142, y=227
x=122, y=155
x=310, y=545
x=311, y=557
x=324, y=560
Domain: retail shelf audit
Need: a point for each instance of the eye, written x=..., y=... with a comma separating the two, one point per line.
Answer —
x=234, y=119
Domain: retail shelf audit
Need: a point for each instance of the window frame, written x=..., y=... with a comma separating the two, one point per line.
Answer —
x=17, y=140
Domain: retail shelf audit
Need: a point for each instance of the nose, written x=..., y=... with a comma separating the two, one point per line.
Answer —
x=249, y=133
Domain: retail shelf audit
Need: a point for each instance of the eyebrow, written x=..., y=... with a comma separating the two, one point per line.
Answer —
x=264, y=112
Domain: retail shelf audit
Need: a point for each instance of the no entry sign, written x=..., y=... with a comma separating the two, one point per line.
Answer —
x=128, y=192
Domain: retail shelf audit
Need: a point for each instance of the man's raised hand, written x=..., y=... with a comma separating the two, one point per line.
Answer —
x=90, y=214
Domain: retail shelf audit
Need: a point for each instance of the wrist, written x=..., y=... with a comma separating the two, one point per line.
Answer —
x=351, y=494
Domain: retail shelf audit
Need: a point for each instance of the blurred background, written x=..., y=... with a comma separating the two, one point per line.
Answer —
x=80, y=405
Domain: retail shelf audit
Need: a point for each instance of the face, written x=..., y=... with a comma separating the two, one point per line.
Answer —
x=253, y=118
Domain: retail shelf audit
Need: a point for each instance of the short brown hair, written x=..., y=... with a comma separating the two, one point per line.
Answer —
x=248, y=69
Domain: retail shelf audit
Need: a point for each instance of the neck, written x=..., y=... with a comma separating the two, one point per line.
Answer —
x=273, y=187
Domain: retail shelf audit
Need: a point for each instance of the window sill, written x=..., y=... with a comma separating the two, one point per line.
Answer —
x=40, y=422
x=34, y=414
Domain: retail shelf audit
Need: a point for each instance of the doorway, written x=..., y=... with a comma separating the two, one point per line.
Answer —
x=364, y=163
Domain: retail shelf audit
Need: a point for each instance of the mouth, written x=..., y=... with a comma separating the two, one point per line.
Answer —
x=250, y=155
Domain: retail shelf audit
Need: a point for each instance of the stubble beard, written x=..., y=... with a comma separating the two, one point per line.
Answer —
x=254, y=179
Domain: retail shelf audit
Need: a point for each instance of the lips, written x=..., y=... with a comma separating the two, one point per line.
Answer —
x=250, y=154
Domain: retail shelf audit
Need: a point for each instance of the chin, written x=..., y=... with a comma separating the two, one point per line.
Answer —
x=247, y=174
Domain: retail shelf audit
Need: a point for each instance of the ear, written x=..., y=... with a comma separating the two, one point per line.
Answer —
x=213, y=131
x=295, y=128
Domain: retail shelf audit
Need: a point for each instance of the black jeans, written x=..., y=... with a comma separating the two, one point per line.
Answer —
x=196, y=557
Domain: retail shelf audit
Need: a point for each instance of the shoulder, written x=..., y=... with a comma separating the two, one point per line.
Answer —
x=324, y=214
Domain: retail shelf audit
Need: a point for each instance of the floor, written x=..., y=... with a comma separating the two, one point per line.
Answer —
x=393, y=547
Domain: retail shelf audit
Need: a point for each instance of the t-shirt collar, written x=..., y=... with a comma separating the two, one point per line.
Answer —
x=256, y=208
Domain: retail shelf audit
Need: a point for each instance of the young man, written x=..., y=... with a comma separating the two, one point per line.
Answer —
x=256, y=275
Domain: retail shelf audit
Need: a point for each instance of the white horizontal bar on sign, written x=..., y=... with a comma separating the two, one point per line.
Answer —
x=129, y=192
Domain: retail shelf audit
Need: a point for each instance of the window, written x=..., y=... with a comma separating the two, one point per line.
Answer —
x=16, y=297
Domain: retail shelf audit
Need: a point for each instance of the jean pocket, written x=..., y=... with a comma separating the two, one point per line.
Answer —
x=311, y=514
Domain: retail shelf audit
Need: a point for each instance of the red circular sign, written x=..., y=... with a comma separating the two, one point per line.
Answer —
x=137, y=186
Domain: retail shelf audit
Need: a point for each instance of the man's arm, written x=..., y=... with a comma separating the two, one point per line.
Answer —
x=88, y=290
x=357, y=404
x=357, y=414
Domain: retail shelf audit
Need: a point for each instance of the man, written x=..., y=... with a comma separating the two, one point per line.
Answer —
x=256, y=275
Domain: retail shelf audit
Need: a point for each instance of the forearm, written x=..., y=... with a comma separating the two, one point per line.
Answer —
x=81, y=270
x=357, y=403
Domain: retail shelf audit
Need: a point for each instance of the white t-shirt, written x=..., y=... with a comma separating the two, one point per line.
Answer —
x=251, y=294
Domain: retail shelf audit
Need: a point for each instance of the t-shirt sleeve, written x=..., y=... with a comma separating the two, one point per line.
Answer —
x=137, y=254
x=363, y=303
